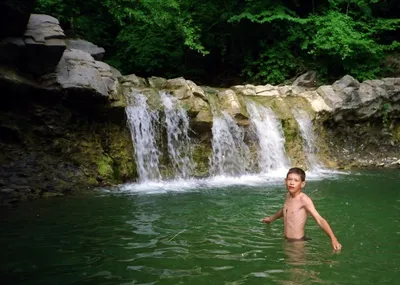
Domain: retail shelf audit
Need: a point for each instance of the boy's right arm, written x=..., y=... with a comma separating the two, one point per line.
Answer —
x=276, y=216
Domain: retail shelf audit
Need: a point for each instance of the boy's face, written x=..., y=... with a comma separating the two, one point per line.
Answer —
x=294, y=183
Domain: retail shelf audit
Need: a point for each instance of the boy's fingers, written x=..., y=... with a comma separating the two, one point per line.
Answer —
x=337, y=247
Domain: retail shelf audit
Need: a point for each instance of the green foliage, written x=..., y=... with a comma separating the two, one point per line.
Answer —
x=87, y=19
x=274, y=65
x=342, y=38
x=159, y=14
x=337, y=36
x=261, y=16
x=267, y=41
x=138, y=45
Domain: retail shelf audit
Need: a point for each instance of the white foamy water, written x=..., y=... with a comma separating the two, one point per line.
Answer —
x=230, y=154
x=307, y=132
x=272, y=178
x=177, y=125
x=141, y=123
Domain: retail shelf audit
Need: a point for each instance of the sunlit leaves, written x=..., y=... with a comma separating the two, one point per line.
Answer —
x=266, y=41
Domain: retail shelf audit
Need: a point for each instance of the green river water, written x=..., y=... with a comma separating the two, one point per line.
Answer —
x=206, y=235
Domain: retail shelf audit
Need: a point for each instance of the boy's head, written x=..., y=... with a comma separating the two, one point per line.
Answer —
x=298, y=171
x=295, y=180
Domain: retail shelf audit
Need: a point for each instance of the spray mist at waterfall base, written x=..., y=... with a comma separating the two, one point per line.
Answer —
x=272, y=178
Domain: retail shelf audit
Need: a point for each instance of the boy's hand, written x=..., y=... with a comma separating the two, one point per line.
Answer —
x=267, y=220
x=336, y=245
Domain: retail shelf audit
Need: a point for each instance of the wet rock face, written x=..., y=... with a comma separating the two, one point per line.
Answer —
x=363, y=144
x=54, y=143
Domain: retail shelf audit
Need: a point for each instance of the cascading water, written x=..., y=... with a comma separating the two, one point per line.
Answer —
x=269, y=132
x=230, y=163
x=306, y=129
x=177, y=125
x=230, y=153
x=141, y=123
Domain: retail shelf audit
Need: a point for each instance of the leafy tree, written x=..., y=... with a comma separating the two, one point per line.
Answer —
x=337, y=37
x=231, y=41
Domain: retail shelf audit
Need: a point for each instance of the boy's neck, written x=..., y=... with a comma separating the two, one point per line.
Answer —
x=295, y=194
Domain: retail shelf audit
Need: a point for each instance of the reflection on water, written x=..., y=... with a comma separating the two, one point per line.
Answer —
x=295, y=252
x=297, y=255
x=299, y=260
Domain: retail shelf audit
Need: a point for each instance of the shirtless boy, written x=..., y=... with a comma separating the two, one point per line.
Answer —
x=296, y=208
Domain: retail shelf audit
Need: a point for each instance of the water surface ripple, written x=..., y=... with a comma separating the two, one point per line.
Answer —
x=211, y=236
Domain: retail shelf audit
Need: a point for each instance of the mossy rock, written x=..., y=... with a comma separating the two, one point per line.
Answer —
x=104, y=168
x=201, y=152
x=396, y=133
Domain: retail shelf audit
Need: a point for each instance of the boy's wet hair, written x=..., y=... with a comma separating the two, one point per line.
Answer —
x=297, y=171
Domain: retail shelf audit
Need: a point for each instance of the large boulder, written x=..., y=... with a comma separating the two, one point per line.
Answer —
x=192, y=96
x=266, y=90
x=95, y=51
x=45, y=44
x=308, y=79
x=351, y=100
x=157, y=82
x=38, y=50
x=229, y=102
x=179, y=88
x=245, y=90
x=132, y=80
x=317, y=103
x=78, y=71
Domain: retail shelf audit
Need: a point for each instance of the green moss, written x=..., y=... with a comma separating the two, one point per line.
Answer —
x=396, y=133
x=293, y=142
x=118, y=146
x=104, y=168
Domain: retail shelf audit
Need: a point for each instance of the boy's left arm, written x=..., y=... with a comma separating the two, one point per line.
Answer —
x=309, y=206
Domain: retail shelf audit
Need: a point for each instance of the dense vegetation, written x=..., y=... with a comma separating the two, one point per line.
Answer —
x=230, y=41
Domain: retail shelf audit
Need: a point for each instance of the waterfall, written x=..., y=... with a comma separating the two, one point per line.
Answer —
x=141, y=123
x=306, y=129
x=270, y=136
x=230, y=153
x=177, y=125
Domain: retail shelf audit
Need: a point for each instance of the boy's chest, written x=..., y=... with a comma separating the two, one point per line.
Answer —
x=293, y=207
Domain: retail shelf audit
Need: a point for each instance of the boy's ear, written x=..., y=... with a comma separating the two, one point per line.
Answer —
x=303, y=184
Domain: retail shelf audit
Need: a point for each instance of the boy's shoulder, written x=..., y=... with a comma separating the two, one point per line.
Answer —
x=304, y=197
